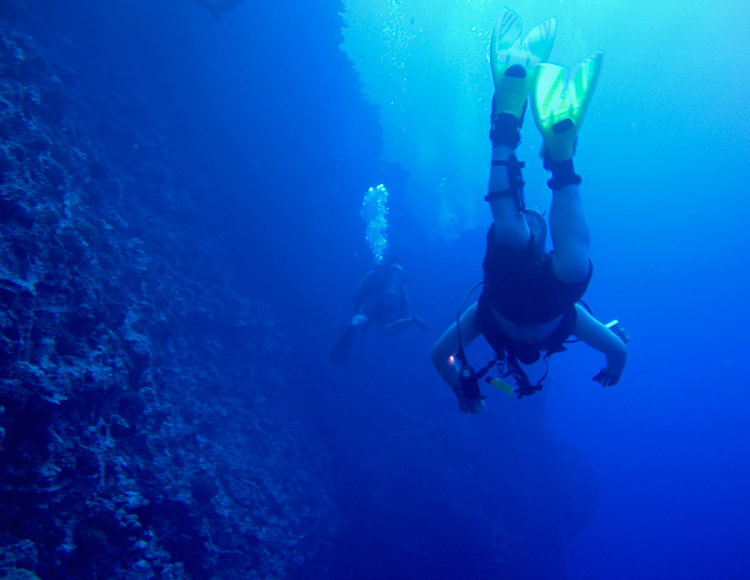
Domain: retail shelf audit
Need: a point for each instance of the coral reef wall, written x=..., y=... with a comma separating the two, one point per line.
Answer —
x=124, y=346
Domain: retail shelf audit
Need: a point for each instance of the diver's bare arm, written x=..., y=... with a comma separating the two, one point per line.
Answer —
x=601, y=338
x=447, y=346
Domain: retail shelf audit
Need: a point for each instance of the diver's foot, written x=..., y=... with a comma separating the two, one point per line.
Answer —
x=512, y=89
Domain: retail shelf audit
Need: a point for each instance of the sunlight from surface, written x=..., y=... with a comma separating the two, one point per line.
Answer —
x=425, y=64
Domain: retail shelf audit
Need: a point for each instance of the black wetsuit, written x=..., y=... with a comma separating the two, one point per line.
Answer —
x=370, y=298
x=521, y=286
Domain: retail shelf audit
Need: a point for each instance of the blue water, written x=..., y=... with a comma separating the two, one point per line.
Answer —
x=266, y=112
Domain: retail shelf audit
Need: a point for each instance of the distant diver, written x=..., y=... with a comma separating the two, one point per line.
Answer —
x=530, y=300
x=219, y=7
x=381, y=299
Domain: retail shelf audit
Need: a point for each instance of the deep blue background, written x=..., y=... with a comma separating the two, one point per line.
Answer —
x=256, y=104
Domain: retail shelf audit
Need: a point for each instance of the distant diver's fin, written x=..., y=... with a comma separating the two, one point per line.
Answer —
x=560, y=103
x=340, y=352
x=215, y=12
x=514, y=61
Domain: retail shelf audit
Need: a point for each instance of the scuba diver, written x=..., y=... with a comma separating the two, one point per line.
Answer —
x=380, y=299
x=530, y=300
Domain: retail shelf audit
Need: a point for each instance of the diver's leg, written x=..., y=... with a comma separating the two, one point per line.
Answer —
x=558, y=106
x=571, y=238
x=513, y=61
x=511, y=228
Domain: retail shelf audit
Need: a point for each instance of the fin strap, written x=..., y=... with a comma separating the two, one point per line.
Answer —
x=563, y=173
x=513, y=162
x=505, y=129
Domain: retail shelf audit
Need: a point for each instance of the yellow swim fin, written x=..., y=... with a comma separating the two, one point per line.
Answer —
x=514, y=61
x=560, y=103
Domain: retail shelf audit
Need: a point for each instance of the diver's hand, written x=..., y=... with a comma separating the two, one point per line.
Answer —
x=359, y=320
x=467, y=405
x=606, y=379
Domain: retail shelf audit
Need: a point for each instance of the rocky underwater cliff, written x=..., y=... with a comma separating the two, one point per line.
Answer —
x=134, y=438
x=143, y=425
